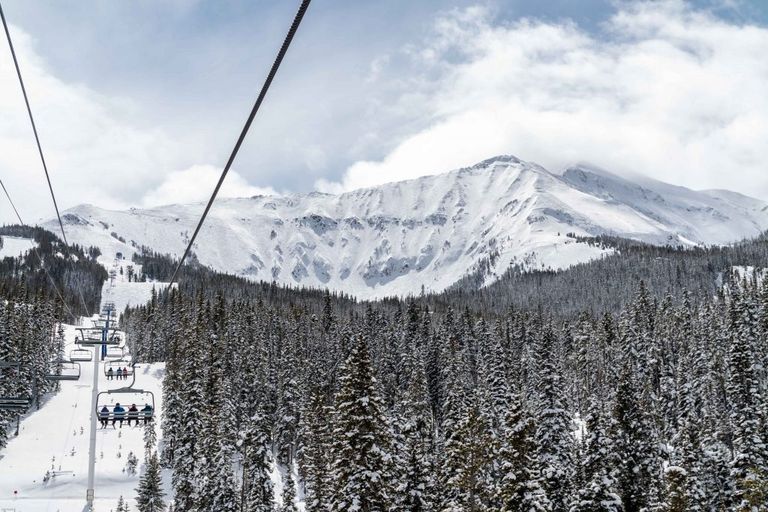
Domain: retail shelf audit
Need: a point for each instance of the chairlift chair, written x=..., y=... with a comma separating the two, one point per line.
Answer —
x=116, y=353
x=70, y=370
x=90, y=337
x=81, y=354
x=102, y=400
x=118, y=364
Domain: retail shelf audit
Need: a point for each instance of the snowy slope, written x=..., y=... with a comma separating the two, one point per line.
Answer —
x=51, y=438
x=428, y=232
x=14, y=246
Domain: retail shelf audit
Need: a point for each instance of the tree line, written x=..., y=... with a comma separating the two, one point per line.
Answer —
x=659, y=406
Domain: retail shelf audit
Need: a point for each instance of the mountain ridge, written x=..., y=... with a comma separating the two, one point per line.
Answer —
x=426, y=233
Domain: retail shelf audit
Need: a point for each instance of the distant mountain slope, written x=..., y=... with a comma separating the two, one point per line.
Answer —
x=428, y=232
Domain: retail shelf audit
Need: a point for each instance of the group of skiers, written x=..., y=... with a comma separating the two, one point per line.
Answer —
x=119, y=414
x=121, y=373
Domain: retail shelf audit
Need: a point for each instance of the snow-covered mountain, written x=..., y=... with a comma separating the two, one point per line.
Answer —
x=428, y=232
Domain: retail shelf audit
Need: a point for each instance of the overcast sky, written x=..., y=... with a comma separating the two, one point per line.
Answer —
x=139, y=103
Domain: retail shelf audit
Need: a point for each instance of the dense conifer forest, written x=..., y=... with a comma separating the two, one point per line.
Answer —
x=53, y=268
x=647, y=391
x=640, y=400
x=28, y=336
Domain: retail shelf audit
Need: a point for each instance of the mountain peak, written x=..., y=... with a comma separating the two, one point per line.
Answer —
x=395, y=238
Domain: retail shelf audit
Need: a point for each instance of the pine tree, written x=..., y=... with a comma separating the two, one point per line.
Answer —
x=150, y=490
x=519, y=488
x=416, y=429
x=360, y=472
x=598, y=491
x=676, y=499
x=288, y=497
x=748, y=468
x=636, y=484
x=257, y=461
x=150, y=438
x=553, y=435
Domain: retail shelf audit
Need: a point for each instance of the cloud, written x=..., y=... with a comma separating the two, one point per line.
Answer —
x=664, y=90
x=196, y=184
x=97, y=148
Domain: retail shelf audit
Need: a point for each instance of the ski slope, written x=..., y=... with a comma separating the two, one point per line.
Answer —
x=55, y=438
x=14, y=246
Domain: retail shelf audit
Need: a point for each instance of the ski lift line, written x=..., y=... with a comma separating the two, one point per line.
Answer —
x=272, y=72
x=42, y=265
x=32, y=120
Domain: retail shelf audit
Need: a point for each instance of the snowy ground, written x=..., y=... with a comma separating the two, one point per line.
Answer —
x=14, y=246
x=56, y=437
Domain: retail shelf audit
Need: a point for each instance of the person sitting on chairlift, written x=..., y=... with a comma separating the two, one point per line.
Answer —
x=119, y=414
x=119, y=374
x=125, y=372
x=133, y=415
x=104, y=416
x=146, y=413
x=110, y=374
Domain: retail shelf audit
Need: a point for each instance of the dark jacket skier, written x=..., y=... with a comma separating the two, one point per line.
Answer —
x=133, y=414
x=104, y=416
x=146, y=413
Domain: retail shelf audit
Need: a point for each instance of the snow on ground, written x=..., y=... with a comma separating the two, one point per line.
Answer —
x=123, y=293
x=15, y=246
x=55, y=438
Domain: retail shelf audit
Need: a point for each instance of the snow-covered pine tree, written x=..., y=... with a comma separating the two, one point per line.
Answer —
x=597, y=493
x=150, y=491
x=314, y=457
x=288, y=497
x=361, y=469
x=749, y=468
x=257, y=461
x=519, y=489
x=415, y=456
x=214, y=483
x=553, y=425
x=637, y=468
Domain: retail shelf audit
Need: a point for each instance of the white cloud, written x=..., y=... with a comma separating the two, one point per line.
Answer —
x=97, y=149
x=666, y=91
x=196, y=184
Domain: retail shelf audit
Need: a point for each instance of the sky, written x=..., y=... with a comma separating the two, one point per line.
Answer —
x=139, y=103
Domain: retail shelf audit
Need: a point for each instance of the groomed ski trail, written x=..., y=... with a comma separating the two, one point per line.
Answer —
x=51, y=439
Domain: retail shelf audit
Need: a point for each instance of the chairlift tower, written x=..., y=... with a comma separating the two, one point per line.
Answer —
x=89, y=338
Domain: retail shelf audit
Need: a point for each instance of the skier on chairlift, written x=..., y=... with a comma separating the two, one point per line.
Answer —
x=119, y=374
x=110, y=374
x=146, y=413
x=104, y=416
x=119, y=414
x=125, y=372
x=133, y=415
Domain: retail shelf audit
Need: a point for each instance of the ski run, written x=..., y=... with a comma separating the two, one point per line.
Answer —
x=45, y=467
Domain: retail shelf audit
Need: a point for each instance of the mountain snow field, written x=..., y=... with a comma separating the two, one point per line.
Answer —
x=426, y=233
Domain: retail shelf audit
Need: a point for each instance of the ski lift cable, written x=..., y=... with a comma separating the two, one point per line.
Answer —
x=39, y=148
x=32, y=120
x=42, y=264
x=273, y=71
